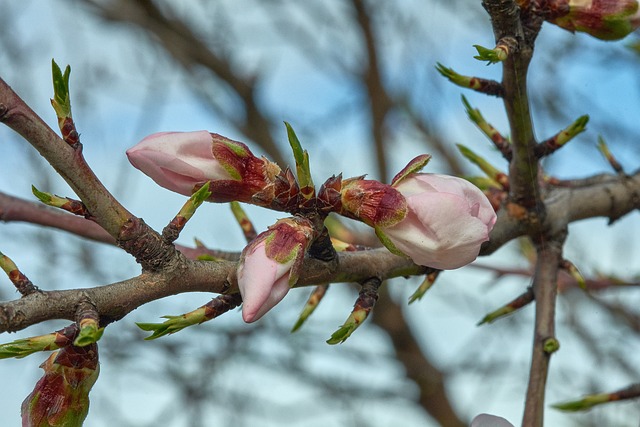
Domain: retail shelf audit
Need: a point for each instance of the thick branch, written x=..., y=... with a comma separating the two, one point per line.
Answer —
x=606, y=195
x=116, y=300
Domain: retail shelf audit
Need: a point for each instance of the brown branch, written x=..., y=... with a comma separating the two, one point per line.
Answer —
x=608, y=196
x=544, y=340
x=68, y=162
x=17, y=209
x=116, y=300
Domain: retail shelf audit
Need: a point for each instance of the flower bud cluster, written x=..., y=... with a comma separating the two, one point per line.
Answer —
x=603, y=19
x=61, y=396
x=438, y=221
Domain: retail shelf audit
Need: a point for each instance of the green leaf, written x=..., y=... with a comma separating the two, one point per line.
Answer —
x=88, y=335
x=302, y=160
x=24, y=347
x=45, y=198
x=174, y=323
x=426, y=284
x=352, y=323
x=61, y=98
x=492, y=56
x=195, y=201
x=583, y=404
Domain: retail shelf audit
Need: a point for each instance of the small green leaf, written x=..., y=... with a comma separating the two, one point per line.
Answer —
x=352, y=323
x=583, y=404
x=174, y=324
x=302, y=161
x=426, y=284
x=486, y=167
x=195, y=201
x=61, y=98
x=88, y=335
x=492, y=56
x=41, y=195
x=24, y=347
x=7, y=264
x=458, y=79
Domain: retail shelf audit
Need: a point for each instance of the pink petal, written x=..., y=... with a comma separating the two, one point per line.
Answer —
x=263, y=282
x=448, y=220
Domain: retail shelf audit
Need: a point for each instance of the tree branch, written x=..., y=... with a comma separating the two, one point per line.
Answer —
x=544, y=342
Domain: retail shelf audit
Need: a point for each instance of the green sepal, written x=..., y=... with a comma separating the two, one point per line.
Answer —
x=388, y=243
x=88, y=334
x=61, y=99
x=414, y=166
x=492, y=56
x=302, y=161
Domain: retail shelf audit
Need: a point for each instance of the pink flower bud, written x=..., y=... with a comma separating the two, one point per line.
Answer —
x=178, y=160
x=486, y=420
x=374, y=203
x=270, y=265
x=184, y=161
x=603, y=19
x=448, y=219
x=61, y=396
